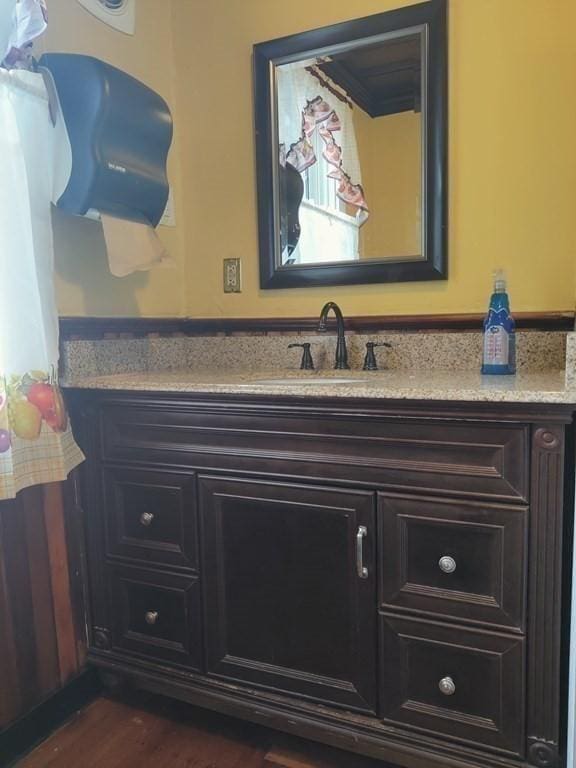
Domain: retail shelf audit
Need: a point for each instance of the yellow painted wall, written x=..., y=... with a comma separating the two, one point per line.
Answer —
x=390, y=154
x=84, y=283
x=512, y=155
x=512, y=158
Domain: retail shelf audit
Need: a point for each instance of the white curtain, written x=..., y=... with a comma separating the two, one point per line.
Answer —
x=21, y=22
x=36, y=443
x=7, y=12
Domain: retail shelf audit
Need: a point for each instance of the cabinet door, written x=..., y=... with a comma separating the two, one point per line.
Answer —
x=290, y=589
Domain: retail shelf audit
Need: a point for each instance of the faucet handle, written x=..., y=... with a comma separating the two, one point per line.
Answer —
x=307, y=364
x=370, y=363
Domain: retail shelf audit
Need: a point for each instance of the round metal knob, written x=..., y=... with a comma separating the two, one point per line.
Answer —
x=151, y=617
x=447, y=686
x=447, y=564
x=146, y=519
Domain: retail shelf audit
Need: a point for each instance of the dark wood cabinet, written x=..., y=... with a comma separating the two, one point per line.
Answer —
x=387, y=577
x=290, y=588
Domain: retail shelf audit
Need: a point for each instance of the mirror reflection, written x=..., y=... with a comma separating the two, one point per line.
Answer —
x=350, y=137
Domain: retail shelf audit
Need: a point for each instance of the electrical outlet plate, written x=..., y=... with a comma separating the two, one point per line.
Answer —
x=232, y=276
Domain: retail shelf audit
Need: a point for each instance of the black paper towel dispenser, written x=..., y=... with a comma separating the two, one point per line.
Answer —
x=120, y=131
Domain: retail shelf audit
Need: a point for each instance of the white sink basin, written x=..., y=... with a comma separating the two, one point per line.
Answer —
x=312, y=381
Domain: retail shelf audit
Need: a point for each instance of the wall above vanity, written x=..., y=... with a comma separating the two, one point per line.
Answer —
x=512, y=160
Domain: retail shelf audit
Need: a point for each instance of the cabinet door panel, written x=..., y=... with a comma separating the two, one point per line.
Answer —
x=286, y=606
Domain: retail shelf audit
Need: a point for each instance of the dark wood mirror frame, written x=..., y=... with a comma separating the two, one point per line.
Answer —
x=434, y=265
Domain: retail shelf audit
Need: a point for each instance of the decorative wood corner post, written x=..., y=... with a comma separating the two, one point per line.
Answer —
x=545, y=596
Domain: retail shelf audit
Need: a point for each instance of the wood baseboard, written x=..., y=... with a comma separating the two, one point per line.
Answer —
x=137, y=327
x=26, y=733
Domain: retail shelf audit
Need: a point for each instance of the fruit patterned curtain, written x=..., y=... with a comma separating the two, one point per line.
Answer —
x=36, y=443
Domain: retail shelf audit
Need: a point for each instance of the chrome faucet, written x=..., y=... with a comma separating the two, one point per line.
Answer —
x=341, y=351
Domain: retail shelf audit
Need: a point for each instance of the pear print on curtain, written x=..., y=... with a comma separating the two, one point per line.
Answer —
x=36, y=442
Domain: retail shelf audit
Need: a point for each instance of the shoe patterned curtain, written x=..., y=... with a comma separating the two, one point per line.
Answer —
x=36, y=442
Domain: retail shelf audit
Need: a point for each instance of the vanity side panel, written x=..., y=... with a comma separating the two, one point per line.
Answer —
x=545, y=596
x=85, y=414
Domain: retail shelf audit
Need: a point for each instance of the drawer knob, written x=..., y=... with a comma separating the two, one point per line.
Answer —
x=447, y=564
x=151, y=617
x=146, y=519
x=447, y=686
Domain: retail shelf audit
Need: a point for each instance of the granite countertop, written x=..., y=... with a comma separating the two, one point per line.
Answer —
x=462, y=386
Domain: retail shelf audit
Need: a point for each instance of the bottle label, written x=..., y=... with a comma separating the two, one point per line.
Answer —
x=496, y=346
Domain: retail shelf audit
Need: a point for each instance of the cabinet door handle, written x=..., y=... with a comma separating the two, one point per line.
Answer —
x=360, y=536
x=151, y=617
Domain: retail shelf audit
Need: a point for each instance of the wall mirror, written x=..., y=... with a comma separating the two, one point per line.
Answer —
x=351, y=127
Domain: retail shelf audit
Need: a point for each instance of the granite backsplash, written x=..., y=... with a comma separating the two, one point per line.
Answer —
x=537, y=351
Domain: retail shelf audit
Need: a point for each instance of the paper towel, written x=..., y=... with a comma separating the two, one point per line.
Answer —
x=132, y=247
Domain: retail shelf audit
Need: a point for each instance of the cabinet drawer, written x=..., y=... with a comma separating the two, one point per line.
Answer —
x=465, y=560
x=461, y=458
x=151, y=516
x=454, y=682
x=156, y=615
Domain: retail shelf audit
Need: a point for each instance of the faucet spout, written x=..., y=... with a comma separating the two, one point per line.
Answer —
x=341, y=362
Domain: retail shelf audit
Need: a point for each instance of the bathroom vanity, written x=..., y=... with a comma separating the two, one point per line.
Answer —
x=384, y=573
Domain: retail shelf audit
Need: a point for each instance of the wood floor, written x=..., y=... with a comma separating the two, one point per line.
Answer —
x=145, y=731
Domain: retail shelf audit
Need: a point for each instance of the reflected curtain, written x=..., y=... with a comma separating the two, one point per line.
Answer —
x=36, y=442
x=305, y=106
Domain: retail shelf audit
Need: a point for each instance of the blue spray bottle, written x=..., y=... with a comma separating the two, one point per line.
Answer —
x=499, y=355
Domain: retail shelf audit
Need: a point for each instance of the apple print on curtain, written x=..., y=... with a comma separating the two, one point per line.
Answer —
x=36, y=442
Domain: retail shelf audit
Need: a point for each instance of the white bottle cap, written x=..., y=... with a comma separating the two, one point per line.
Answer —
x=499, y=281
